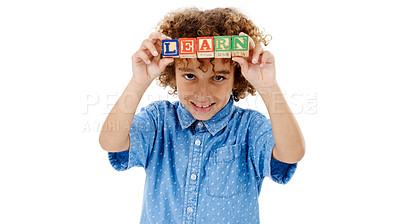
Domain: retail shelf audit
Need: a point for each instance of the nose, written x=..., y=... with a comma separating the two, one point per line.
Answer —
x=203, y=89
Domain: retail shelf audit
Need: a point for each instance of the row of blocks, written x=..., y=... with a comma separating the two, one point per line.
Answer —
x=206, y=47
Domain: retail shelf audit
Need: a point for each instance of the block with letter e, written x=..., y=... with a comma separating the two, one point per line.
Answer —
x=240, y=46
x=170, y=48
x=187, y=47
x=222, y=46
x=205, y=47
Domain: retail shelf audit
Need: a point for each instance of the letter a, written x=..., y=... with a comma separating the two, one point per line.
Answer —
x=205, y=46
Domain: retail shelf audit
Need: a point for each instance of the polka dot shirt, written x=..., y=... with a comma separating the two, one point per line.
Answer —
x=201, y=171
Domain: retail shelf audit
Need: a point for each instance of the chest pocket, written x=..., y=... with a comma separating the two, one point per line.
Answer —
x=227, y=172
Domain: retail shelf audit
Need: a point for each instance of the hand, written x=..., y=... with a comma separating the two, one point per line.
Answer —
x=259, y=67
x=146, y=62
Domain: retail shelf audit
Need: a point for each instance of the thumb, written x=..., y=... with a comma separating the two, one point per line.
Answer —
x=244, y=66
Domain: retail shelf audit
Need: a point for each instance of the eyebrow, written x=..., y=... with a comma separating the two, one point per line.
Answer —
x=187, y=70
x=224, y=71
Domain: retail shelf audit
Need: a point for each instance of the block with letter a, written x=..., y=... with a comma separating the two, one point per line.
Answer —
x=205, y=47
x=240, y=46
x=170, y=48
x=187, y=47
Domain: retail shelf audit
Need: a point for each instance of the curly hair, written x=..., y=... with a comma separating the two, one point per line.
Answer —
x=192, y=23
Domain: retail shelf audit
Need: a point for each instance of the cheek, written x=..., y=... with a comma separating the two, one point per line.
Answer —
x=184, y=90
x=222, y=91
x=182, y=87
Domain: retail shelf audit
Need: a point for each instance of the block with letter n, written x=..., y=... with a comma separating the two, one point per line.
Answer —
x=170, y=48
x=205, y=47
x=240, y=46
x=222, y=46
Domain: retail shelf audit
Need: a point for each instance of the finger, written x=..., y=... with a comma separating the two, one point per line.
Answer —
x=141, y=56
x=267, y=58
x=164, y=62
x=148, y=45
x=256, y=53
x=243, y=64
x=158, y=45
x=158, y=36
x=251, y=41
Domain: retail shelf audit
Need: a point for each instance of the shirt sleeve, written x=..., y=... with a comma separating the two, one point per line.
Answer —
x=142, y=135
x=261, y=143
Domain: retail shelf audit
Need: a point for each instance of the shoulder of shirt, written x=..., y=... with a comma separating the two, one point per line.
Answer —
x=162, y=106
x=250, y=113
x=160, y=110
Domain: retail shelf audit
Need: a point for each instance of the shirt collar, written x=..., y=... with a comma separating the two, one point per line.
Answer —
x=214, y=124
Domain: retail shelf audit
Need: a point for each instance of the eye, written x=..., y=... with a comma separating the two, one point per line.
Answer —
x=218, y=78
x=189, y=76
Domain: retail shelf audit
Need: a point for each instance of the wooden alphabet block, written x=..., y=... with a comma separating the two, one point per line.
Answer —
x=205, y=47
x=240, y=46
x=223, y=46
x=170, y=48
x=187, y=47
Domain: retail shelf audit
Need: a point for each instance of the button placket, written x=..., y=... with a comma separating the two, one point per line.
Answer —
x=200, y=127
x=189, y=210
x=192, y=186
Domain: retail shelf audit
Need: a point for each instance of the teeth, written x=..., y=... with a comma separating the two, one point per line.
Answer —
x=203, y=106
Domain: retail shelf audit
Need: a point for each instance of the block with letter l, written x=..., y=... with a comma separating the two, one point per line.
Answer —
x=170, y=48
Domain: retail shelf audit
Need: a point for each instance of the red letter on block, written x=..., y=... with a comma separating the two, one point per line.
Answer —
x=187, y=47
x=205, y=47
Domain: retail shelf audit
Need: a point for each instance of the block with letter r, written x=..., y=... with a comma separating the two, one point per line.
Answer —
x=223, y=46
x=170, y=48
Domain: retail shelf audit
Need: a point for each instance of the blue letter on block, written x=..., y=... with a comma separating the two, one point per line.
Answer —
x=170, y=48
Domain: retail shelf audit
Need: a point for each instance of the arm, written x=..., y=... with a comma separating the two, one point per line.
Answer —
x=259, y=70
x=114, y=134
x=146, y=66
x=289, y=141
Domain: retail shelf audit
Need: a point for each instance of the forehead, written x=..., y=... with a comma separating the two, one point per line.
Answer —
x=200, y=64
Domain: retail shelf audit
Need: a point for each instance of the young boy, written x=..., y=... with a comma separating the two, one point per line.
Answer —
x=205, y=159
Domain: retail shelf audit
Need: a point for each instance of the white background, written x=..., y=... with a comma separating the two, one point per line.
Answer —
x=63, y=65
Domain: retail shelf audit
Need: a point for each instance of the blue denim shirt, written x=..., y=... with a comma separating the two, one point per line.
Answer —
x=201, y=171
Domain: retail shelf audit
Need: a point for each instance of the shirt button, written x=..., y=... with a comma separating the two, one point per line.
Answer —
x=189, y=209
x=193, y=177
x=200, y=124
x=197, y=142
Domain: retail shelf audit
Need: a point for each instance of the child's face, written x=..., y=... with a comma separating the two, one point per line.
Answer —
x=204, y=91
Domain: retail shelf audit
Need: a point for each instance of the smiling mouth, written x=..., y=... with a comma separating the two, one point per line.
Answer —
x=205, y=108
x=202, y=106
